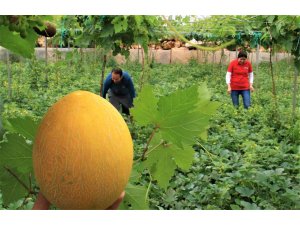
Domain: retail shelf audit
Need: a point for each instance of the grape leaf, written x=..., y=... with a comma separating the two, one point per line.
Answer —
x=204, y=94
x=135, y=175
x=120, y=24
x=163, y=159
x=135, y=197
x=181, y=117
x=176, y=103
x=183, y=131
x=161, y=166
x=178, y=119
x=26, y=126
x=13, y=42
x=145, y=107
x=11, y=188
x=16, y=156
x=16, y=153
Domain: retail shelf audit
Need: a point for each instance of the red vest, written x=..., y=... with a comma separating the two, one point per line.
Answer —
x=239, y=75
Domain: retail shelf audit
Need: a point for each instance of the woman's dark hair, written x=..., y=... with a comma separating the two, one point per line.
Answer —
x=242, y=54
x=117, y=71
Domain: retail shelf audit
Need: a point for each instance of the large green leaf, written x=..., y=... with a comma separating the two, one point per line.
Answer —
x=179, y=118
x=204, y=94
x=16, y=159
x=135, y=197
x=13, y=42
x=11, y=188
x=16, y=153
x=183, y=115
x=26, y=126
x=161, y=165
x=163, y=158
x=145, y=109
x=183, y=130
x=177, y=103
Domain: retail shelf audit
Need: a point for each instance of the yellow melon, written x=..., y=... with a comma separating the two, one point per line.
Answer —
x=83, y=152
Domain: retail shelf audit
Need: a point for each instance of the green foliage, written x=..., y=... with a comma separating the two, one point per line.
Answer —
x=245, y=151
x=18, y=35
x=177, y=119
x=16, y=159
x=135, y=197
x=163, y=159
x=1, y=125
x=118, y=33
x=282, y=32
x=11, y=187
x=16, y=153
x=23, y=126
x=147, y=105
x=17, y=44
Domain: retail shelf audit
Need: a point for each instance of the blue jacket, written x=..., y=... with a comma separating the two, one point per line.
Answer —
x=123, y=88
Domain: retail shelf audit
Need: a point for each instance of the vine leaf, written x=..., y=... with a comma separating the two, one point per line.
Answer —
x=164, y=158
x=178, y=118
x=135, y=197
x=26, y=126
x=185, y=114
x=16, y=153
x=181, y=116
x=120, y=24
x=16, y=158
x=13, y=41
x=145, y=110
x=11, y=188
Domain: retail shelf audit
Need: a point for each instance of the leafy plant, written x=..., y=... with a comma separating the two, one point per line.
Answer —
x=18, y=35
x=176, y=119
x=16, y=160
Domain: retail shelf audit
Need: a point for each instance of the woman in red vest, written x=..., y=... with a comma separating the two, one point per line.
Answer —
x=239, y=79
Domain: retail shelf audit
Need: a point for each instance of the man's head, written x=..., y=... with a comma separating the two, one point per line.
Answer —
x=116, y=75
x=242, y=56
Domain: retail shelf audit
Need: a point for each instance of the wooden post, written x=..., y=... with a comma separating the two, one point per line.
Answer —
x=95, y=54
x=142, y=77
x=46, y=60
x=257, y=65
x=295, y=91
x=9, y=75
x=46, y=51
x=102, y=73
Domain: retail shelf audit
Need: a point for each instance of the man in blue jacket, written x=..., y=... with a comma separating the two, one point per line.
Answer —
x=120, y=90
